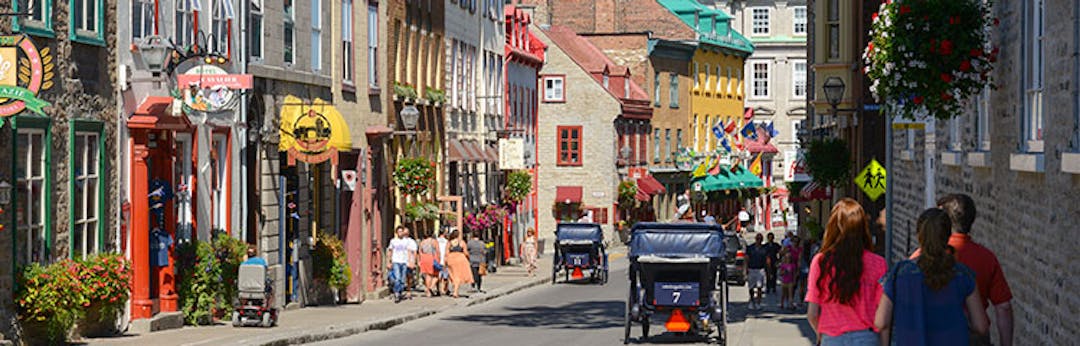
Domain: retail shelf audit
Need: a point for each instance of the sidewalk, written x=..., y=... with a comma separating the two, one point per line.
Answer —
x=318, y=323
x=768, y=326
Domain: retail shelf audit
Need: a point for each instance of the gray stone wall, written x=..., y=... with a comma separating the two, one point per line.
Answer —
x=1026, y=217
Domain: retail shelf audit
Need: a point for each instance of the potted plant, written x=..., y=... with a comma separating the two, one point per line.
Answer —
x=330, y=267
x=404, y=90
x=106, y=281
x=414, y=176
x=49, y=301
x=229, y=252
x=434, y=95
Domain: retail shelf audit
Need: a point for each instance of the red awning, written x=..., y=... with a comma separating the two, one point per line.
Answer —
x=153, y=114
x=642, y=196
x=650, y=185
x=812, y=191
x=568, y=194
x=456, y=152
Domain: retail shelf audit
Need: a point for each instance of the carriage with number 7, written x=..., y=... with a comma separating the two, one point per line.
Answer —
x=677, y=272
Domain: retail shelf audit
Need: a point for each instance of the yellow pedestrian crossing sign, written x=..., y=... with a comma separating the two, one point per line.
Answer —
x=872, y=180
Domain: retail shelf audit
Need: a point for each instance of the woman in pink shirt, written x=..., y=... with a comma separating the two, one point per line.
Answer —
x=842, y=288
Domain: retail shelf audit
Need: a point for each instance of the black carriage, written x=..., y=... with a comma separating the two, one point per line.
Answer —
x=677, y=272
x=579, y=247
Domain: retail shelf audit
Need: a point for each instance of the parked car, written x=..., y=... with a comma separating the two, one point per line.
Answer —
x=735, y=258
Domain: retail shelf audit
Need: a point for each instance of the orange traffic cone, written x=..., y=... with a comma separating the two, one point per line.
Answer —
x=677, y=322
x=577, y=273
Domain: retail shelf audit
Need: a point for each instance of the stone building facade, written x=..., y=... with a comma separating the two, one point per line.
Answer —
x=1026, y=196
x=61, y=164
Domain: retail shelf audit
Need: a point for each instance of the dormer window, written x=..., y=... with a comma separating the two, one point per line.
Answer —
x=626, y=87
x=605, y=80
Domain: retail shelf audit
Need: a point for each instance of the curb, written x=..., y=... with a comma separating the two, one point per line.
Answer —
x=347, y=330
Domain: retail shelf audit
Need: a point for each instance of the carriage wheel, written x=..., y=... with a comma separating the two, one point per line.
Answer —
x=721, y=328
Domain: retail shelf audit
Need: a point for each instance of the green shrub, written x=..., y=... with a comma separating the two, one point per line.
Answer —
x=330, y=262
x=198, y=281
x=50, y=300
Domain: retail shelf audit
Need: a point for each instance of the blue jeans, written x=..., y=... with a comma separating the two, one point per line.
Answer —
x=856, y=338
x=398, y=272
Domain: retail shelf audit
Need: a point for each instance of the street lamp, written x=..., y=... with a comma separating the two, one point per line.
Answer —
x=834, y=91
x=410, y=116
x=153, y=51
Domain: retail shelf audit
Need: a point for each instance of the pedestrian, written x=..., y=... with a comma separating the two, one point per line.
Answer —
x=989, y=278
x=757, y=260
x=529, y=251
x=788, y=267
x=444, y=274
x=402, y=250
x=477, y=252
x=411, y=267
x=930, y=300
x=457, y=262
x=843, y=280
x=429, y=264
x=744, y=218
x=772, y=251
x=809, y=248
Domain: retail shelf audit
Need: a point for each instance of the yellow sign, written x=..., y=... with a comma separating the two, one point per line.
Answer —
x=872, y=180
x=8, y=71
x=312, y=132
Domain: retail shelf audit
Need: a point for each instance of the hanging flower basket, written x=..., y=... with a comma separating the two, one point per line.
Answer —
x=627, y=190
x=414, y=176
x=518, y=186
x=926, y=57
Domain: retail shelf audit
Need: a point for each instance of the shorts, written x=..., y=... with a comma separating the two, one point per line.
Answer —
x=853, y=338
x=756, y=279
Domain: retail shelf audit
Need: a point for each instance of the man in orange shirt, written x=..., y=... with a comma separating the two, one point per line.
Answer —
x=989, y=278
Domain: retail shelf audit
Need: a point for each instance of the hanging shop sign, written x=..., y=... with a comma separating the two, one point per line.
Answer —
x=25, y=72
x=312, y=132
x=210, y=89
x=511, y=153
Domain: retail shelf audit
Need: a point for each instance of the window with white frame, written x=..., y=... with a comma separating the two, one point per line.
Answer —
x=373, y=45
x=38, y=12
x=798, y=78
x=142, y=19
x=982, y=120
x=678, y=139
x=697, y=133
x=219, y=164
x=316, y=35
x=290, y=32
x=86, y=159
x=954, y=128
x=347, y=60
x=656, y=89
x=1034, y=27
x=667, y=145
x=799, y=24
x=30, y=211
x=255, y=30
x=222, y=15
x=759, y=79
x=553, y=89
x=185, y=22
x=706, y=78
x=85, y=20
x=760, y=20
x=833, y=23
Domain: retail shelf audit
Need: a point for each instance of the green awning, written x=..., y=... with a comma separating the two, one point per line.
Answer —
x=740, y=179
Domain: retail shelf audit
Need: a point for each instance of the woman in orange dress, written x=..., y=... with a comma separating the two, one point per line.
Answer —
x=429, y=252
x=457, y=260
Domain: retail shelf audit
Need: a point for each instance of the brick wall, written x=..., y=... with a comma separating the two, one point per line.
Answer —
x=1027, y=218
x=608, y=16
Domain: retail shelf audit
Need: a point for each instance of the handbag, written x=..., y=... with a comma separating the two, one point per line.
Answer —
x=483, y=269
x=438, y=266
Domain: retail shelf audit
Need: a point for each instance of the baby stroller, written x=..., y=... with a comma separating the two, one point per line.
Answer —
x=256, y=299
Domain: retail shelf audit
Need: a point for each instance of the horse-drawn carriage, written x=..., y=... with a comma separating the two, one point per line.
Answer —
x=579, y=247
x=677, y=272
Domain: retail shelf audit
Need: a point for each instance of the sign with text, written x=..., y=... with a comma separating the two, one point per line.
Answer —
x=511, y=153
x=24, y=72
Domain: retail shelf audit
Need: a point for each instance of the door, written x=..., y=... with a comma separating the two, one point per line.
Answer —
x=182, y=176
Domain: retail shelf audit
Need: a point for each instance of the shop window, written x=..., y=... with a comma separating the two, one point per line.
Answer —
x=255, y=30
x=32, y=197
x=569, y=142
x=289, y=33
x=87, y=199
x=39, y=19
x=185, y=22
x=142, y=19
x=347, y=61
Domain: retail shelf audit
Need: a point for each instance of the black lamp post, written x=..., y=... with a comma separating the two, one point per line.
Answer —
x=834, y=91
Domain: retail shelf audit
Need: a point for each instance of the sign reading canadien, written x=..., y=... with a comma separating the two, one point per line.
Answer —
x=24, y=72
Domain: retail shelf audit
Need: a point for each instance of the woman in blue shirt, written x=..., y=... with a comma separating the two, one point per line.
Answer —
x=933, y=295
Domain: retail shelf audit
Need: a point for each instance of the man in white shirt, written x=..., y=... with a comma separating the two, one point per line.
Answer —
x=444, y=275
x=402, y=252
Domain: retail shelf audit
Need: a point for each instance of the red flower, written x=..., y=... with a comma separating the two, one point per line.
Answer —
x=975, y=53
x=945, y=77
x=905, y=9
x=997, y=21
x=953, y=20
x=965, y=66
x=874, y=16
x=918, y=100
x=946, y=96
x=946, y=47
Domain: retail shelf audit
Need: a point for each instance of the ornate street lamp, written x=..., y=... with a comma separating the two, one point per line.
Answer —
x=410, y=116
x=834, y=91
x=154, y=52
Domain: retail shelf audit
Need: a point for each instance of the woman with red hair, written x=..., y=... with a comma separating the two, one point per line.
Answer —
x=843, y=289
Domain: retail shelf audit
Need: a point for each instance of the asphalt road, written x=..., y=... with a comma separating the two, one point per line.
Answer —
x=561, y=314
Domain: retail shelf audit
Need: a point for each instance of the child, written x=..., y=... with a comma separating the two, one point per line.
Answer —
x=788, y=269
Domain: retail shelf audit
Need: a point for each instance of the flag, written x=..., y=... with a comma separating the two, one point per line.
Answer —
x=701, y=169
x=772, y=130
x=717, y=131
x=730, y=127
x=715, y=167
x=749, y=131
x=755, y=167
x=725, y=144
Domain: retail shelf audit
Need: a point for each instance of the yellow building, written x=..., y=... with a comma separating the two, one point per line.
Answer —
x=717, y=67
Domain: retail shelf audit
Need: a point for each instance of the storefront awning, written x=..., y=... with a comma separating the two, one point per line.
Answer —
x=457, y=151
x=492, y=153
x=811, y=191
x=153, y=113
x=568, y=194
x=726, y=179
x=641, y=196
x=650, y=185
x=312, y=131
